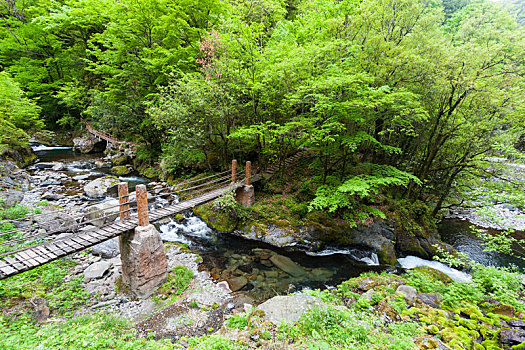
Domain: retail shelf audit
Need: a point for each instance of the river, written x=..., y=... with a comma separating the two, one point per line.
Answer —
x=226, y=255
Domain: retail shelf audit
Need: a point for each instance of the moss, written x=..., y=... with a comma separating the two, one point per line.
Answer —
x=120, y=160
x=120, y=170
x=218, y=221
x=434, y=274
x=179, y=217
x=491, y=345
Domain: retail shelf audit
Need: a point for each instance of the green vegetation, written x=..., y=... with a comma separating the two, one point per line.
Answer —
x=403, y=99
x=178, y=281
x=100, y=331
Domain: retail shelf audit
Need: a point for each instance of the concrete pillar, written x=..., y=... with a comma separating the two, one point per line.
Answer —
x=245, y=195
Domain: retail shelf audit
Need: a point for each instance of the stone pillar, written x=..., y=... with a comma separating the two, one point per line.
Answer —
x=245, y=195
x=144, y=264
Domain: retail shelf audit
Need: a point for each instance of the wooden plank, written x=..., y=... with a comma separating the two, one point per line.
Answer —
x=44, y=253
x=26, y=259
x=35, y=256
x=55, y=249
x=90, y=237
x=70, y=242
x=62, y=245
x=15, y=263
x=79, y=241
x=7, y=269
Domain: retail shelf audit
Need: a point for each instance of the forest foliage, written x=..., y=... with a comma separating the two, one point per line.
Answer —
x=408, y=95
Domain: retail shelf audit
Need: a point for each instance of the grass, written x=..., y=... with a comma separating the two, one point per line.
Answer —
x=178, y=281
x=99, y=331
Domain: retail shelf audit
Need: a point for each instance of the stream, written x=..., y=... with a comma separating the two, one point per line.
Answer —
x=227, y=256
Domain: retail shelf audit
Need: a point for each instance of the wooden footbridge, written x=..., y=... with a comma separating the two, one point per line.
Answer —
x=104, y=136
x=33, y=250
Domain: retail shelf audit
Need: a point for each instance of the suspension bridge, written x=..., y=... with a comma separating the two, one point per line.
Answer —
x=29, y=251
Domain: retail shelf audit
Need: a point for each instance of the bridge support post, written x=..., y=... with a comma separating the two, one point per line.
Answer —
x=144, y=264
x=245, y=195
x=234, y=170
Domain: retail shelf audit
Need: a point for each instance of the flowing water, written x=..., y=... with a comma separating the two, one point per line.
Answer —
x=227, y=256
x=459, y=234
x=253, y=264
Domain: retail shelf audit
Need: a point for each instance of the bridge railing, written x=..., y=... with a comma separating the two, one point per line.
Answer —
x=24, y=238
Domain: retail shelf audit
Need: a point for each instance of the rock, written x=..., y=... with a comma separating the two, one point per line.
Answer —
x=107, y=249
x=144, y=264
x=96, y=270
x=11, y=198
x=237, y=283
x=434, y=274
x=512, y=337
x=516, y=323
x=54, y=220
x=52, y=196
x=59, y=167
x=120, y=170
x=408, y=291
x=368, y=295
x=101, y=187
x=287, y=265
x=88, y=144
x=40, y=309
x=248, y=308
x=106, y=211
x=431, y=299
x=425, y=342
x=224, y=286
x=386, y=312
x=245, y=196
x=81, y=177
x=289, y=308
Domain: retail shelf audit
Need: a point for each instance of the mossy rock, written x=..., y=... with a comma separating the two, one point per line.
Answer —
x=179, y=218
x=503, y=310
x=434, y=274
x=150, y=172
x=120, y=170
x=121, y=160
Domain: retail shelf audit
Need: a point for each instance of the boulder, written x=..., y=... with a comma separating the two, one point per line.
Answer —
x=290, y=308
x=101, y=187
x=386, y=312
x=431, y=299
x=511, y=337
x=54, y=220
x=11, y=198
x=237, y=283
x=120, y=170
x=88, y=144
x=97, y=270
x=107, y=249
x=106, y=212
x=245, y=196
x=59, y=167
x=287, y=265
x=408, y=292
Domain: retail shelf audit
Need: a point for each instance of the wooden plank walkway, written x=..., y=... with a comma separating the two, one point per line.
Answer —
x=43, y=253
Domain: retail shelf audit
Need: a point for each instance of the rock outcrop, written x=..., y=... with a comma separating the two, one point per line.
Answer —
x=88, y=144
